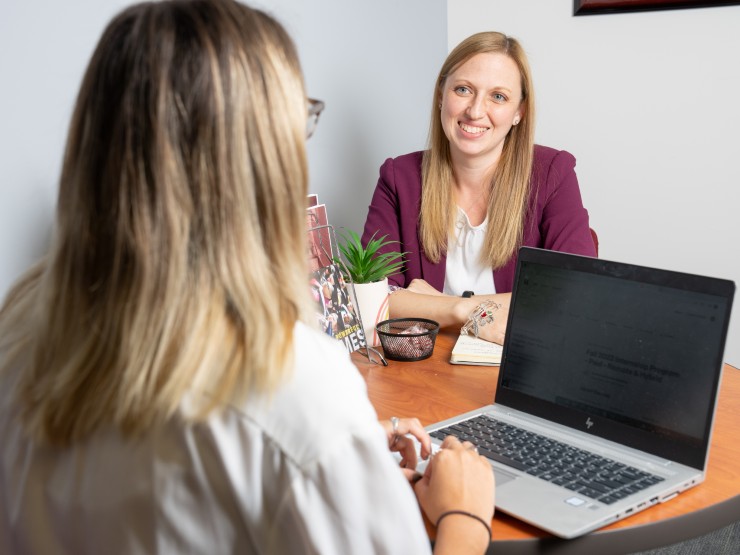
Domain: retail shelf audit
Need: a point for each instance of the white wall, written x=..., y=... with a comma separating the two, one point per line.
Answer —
x=648, y=104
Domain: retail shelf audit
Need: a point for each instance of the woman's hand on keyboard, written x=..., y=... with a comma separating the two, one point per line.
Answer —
x=457, y=478
x=403, y=435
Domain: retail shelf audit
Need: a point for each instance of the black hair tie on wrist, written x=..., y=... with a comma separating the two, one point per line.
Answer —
x=467, y=294
x=470, y=515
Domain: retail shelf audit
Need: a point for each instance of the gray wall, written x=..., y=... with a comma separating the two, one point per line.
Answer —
x=372, y=62
x=44, y=49
x=646, y=102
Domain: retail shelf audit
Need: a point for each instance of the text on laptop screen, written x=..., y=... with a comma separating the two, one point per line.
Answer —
x=629, y=351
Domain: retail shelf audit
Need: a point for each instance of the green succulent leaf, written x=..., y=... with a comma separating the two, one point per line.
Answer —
x=366, y=264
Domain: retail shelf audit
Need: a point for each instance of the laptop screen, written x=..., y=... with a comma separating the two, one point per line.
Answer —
x=628, y=353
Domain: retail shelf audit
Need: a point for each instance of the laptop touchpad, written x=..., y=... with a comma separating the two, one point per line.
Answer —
x=502, y=476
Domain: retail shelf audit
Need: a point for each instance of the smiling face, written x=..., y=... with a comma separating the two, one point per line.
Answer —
x=481, y=100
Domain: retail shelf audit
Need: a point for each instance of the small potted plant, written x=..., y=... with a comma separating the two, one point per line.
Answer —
x=367, y=264
x=368, y=270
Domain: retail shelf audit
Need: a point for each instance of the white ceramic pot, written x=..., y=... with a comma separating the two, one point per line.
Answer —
x=372, y=300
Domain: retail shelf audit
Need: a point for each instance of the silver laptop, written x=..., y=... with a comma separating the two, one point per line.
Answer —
x=606, y=391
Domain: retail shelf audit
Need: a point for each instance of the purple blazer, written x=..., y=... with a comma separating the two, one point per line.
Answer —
x=557, y=219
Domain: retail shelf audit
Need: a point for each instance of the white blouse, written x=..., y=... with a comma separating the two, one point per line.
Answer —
x=307, y=471
x=464, y=270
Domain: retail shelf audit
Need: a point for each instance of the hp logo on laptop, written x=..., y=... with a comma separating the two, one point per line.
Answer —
x=589, y=423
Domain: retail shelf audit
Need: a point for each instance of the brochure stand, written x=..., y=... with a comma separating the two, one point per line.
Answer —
x=318, y=238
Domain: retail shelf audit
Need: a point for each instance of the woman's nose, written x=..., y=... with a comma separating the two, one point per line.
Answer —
x=476, y=108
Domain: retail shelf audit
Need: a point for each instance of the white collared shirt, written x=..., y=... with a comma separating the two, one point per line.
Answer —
x=464, y=270
x=308, y=471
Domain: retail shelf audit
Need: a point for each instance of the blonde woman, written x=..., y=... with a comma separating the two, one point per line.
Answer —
x=159, y=389
x=462, y=208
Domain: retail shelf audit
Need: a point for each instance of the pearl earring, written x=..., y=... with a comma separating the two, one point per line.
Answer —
x=516, y=121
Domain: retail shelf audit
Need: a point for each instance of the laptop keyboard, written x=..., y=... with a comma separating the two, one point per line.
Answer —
x=578, y=470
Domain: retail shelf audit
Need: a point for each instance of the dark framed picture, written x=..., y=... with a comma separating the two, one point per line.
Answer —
x=589, y=7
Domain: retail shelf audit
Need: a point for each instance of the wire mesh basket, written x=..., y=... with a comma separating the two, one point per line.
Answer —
x=407, y=339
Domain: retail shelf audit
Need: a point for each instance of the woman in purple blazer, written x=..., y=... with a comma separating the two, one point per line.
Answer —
x=462, y=208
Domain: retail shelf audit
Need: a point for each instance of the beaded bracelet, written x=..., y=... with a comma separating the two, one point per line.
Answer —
x=471, y=515
x=482, y=315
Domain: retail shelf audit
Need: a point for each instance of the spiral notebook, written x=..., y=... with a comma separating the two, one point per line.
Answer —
x=606, y=391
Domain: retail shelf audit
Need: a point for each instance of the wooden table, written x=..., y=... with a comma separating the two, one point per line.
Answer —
x=433, y=390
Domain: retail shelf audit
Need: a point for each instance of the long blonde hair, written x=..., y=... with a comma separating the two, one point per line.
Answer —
x=510, y=190
x=178, y=259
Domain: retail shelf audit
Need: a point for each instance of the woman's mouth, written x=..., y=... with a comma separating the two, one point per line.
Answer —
x=472, y=128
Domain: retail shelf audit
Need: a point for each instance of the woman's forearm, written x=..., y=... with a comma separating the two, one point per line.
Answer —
x=450, y=311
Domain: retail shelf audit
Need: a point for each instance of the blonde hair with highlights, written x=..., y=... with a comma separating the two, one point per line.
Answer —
x=510, y=191
x=177, y=265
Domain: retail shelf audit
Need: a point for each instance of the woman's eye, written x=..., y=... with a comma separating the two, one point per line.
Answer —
x=462, y=90
x=498, y=97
